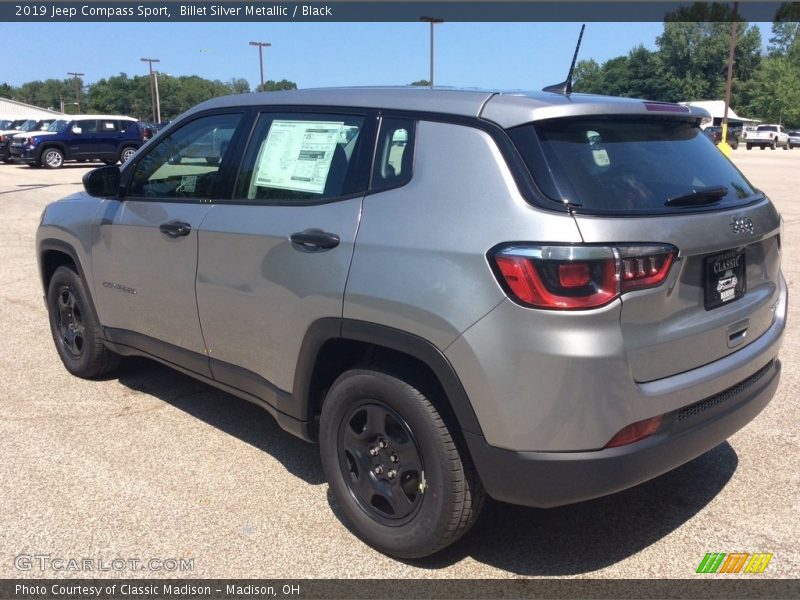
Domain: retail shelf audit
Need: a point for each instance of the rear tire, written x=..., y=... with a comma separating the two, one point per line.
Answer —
x=401, y=480
x=77, y=334
x=126, y=154
x=749, y=146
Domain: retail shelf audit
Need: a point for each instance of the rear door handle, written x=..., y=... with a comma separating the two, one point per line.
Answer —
x=315, y=238
x=175, y=228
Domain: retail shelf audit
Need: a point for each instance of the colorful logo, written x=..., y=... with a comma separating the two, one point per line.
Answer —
x=735, y=562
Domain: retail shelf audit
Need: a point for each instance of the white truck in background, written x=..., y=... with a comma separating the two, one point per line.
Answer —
x=767, y=136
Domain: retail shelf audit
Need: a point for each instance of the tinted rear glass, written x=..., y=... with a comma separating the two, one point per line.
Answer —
x=624, y=164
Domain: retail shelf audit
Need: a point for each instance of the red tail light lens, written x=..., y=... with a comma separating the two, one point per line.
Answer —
x=635, y=432
x=579, y=277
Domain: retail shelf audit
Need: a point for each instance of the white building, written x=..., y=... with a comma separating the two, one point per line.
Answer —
x=716, y=108
x=11, y=109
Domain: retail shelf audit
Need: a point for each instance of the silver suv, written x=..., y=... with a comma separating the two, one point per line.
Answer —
x=541, y=297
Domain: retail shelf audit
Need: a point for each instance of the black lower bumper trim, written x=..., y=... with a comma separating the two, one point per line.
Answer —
x=547, y=479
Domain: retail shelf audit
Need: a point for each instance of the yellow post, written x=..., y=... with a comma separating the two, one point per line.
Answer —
x=723, y=145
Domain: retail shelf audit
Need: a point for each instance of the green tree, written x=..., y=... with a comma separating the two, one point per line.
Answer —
x=277, y=86
x=6, y=91
x=50, y=93
x=238, y=85
x=694, y=57
x=772, y=95
x=421, y=83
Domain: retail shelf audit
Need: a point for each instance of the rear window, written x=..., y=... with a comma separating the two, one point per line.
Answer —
x=632, y=165
x=766, y=128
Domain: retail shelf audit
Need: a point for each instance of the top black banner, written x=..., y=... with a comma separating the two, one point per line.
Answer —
x=336, y=11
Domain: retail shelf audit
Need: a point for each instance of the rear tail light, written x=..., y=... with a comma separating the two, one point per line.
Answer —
x=579, y=277
x=635, y=432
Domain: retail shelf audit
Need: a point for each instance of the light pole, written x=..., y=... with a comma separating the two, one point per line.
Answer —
x=433, y=21
x=261, y=46
x=153, y=89
x=77, y=89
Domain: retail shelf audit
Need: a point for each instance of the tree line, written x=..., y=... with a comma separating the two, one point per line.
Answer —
x=126, y=95
x=691, y=63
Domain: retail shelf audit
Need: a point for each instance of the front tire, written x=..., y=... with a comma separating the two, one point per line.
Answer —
x=53, y=158
x=402, y=482
x=76, y=332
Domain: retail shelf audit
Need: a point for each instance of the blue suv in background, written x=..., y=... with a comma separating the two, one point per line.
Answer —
x=109, y=138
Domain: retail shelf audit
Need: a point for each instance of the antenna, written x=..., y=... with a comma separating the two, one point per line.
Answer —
x=565, y=87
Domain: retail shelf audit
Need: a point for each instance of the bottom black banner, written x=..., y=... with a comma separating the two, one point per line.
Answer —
x=400, y=589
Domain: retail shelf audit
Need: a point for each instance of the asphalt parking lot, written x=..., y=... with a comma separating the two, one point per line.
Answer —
x=153, y=465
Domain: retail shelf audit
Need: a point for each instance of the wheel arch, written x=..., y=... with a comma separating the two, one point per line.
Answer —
x=54, y=253
x=332, y=345
x=57, y=145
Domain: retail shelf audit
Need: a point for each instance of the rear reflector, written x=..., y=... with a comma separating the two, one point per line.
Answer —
x=635, y=432
x=579, y=277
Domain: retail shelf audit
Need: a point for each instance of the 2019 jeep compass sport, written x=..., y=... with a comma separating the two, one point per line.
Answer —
x=544, y=297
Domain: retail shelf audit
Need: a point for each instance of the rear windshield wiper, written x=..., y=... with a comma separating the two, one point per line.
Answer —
x=710, y=195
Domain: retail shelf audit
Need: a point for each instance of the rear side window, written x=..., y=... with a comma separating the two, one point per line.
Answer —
x=628, y=165
x=395, y=153
x=109, y=126
x=301, y=158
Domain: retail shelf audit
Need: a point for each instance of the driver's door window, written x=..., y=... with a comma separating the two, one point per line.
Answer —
x=186, y=163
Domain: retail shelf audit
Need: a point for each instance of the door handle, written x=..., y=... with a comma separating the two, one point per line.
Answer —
x=315, y=238
x=175, y=228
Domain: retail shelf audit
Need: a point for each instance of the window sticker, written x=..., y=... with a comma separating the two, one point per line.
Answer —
x=188, y=184
x=297, y=155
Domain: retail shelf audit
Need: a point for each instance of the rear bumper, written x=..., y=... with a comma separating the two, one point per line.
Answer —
x=547, y=479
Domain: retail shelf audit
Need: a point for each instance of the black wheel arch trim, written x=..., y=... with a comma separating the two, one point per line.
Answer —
x=56, y=245
x=328, y=329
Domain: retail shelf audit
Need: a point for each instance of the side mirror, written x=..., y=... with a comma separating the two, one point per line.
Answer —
x=103, y=182
x=77, y=130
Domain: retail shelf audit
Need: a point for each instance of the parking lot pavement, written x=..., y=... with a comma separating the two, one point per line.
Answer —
x=153, y=465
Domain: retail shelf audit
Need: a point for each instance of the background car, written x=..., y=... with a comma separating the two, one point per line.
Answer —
x=110, y=138
x=714, y=133
x=7, y=137
x=794, y=139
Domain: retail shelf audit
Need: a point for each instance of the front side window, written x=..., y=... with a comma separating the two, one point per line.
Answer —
x=82, y=127
x=302, y=158
x=632, y=165
x=186, y=163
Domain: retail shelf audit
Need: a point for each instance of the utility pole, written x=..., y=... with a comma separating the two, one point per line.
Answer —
x=153, y=98
x=77, y=89
x=723, y=144
x=261, y=46
x=433, y=21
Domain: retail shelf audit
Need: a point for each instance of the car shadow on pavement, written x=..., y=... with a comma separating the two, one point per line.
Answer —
x=568, y=540
x=588, y=536
x=225, y=412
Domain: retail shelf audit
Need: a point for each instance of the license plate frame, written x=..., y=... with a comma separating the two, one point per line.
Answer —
x=725, y=278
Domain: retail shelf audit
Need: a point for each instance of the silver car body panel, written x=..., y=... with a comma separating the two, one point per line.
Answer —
x=420, y=260
x=144, y=279
x=560, y=382
x=258, y=293
x=667, y=329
